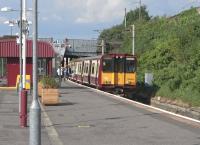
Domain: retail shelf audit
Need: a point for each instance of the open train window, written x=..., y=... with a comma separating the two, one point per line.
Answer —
x=130, y=65
x=108, y=65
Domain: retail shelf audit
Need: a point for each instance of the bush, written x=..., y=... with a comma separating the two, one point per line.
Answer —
x=169, y=48
x=49, y=82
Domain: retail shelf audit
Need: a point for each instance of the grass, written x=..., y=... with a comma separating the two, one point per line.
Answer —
x=188, y=96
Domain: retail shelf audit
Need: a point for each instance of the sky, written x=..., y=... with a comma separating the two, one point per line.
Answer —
x=77, y=19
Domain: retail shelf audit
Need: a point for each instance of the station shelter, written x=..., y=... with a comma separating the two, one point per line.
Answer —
x=9, y=50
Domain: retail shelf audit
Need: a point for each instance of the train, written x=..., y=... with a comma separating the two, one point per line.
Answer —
x=108, y=72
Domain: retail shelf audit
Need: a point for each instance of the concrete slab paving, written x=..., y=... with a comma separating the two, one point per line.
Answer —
x=85, y=117
x=10, y=132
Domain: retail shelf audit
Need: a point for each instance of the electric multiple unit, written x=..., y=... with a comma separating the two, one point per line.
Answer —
x=109, y=72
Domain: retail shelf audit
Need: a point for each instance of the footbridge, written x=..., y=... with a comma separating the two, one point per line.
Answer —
x=81, y=48
x=71, y=48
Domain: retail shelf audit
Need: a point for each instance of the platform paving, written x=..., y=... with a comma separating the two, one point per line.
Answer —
x=10, y=132
x=85, y=117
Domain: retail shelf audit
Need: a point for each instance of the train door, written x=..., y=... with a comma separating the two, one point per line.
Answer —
x=98, y=73
x=93, y=71
x=86, y=71
x=119, y=71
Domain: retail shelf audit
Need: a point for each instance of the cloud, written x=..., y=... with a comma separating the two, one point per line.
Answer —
x=44, y=18
x=69, y=4
x=101, y=11
x=90, y=11
x=56, y=17
x=51, y=17
x=2, y=20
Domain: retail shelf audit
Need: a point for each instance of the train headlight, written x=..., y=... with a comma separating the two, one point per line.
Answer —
x=107, y=82
x=130, y=82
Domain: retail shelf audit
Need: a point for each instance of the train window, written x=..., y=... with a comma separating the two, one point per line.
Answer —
x=119, y=65
x=130, y=65
x=87, y=68
x=86, y=71
x=107, y=65
x=92, y=70
x=79, y=68
x=97, y=68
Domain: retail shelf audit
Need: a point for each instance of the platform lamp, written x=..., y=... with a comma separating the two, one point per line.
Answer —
x=11, y=23
x=24, y=30
x=35, y=110
x=9, y=9
x=23, y=24
x=102, y=42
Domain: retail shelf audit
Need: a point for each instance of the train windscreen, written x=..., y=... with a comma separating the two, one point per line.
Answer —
x=130, y=65
x=119, y=65
x=108, y=65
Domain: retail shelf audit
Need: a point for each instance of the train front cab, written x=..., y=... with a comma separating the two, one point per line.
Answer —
x=118, y=72
x=125, y=73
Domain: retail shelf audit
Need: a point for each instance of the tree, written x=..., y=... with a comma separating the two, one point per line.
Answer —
x=133, y=15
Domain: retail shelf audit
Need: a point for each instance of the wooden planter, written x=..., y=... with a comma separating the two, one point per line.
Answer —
x=50, y=96
x=40, y=86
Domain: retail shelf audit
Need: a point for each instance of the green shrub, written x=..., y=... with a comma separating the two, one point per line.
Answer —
x=168, y=48
x=49, y=82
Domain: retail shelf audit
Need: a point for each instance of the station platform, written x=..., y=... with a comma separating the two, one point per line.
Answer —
x=10, y=131
x=88, y=117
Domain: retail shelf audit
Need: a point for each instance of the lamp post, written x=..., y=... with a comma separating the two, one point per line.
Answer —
x=11, y=23
x=23, y=24
x=8, y=9
x=35, y=111
x=102, y=42
x=102, y=46
x=133, y=41
x=24, y=30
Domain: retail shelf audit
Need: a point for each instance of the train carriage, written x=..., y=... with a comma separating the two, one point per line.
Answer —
x=109, y=72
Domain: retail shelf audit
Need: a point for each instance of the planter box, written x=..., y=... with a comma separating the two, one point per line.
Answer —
x=50, y=96
x=40, y=86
